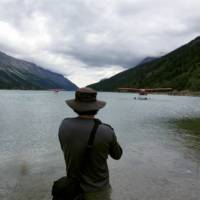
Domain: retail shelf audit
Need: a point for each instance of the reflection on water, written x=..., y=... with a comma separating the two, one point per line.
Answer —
x=188, y=130
x=24, y=168
x=160, y=161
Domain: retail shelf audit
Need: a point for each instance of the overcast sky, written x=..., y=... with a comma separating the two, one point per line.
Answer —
x=88, y=40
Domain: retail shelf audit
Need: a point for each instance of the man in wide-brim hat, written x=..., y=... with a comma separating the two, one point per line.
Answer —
x=85, y=100
x=74, y=134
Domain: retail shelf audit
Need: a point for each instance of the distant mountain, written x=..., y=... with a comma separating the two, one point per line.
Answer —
x=20, y=74
x=179, y=70
x=148, y=59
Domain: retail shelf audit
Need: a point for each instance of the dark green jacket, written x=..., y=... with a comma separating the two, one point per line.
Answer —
x=73, y=136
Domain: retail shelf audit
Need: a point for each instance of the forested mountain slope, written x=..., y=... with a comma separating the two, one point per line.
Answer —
x=179, y=69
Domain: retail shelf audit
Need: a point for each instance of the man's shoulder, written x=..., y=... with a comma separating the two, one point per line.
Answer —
x=107, y=126
x=68, y=119
x=107, y=129
x=106, y=132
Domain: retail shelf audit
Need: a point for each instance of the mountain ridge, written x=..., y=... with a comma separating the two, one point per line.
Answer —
x=178, y=69
x=147, y=59
x=20, y=74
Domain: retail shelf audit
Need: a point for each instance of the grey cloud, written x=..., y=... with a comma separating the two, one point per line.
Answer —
x=100, y=33
x=107, y=58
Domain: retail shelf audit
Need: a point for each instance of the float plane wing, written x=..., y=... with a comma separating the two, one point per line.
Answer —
x=143, y=92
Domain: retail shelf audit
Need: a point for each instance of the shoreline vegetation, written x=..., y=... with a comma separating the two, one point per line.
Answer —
x=192, y=125
x=185, y=93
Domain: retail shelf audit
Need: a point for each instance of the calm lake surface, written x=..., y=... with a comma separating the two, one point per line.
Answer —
x=160, y=162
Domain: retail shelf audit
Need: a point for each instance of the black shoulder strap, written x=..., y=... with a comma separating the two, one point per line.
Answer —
x=90, y=143
x=93, y=133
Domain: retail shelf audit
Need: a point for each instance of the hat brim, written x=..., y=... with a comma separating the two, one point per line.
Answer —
x=85, y=106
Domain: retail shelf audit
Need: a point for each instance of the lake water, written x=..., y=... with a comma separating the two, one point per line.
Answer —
x=160, y=162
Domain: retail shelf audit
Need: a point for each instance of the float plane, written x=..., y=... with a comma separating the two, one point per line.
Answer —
x=143, y=92
x=57, y=90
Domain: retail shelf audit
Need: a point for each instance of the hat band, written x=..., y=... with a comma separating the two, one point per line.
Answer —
x=84, y=97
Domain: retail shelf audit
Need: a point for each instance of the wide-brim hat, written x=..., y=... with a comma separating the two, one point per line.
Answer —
x=85, y=100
